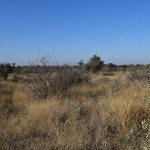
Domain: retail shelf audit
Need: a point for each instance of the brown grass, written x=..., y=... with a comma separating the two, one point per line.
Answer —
x=105, y=114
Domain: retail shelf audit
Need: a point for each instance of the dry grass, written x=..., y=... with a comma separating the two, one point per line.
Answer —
x=109, y=113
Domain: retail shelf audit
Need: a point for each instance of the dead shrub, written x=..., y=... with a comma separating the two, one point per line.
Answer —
x=140, y=75
x=45, y=81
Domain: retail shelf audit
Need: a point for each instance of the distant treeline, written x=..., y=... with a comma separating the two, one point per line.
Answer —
x=95, y=64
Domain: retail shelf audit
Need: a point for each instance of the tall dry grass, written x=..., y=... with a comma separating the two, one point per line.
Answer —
x=105, y=114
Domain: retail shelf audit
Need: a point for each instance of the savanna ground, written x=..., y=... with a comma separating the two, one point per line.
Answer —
x=107, y=113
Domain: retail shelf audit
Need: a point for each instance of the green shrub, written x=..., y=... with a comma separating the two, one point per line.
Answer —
x=5, y=69
x=94, y=64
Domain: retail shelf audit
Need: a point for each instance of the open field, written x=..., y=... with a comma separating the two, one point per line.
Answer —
x=107, y=113
x=74, y=75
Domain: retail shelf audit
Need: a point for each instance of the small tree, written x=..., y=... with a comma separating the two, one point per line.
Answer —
x=94, y=64
x=14, y=64
x=81, y=63
x=5, y=69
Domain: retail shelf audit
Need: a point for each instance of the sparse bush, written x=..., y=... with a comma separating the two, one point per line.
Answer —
x=5, y=69
x=142, y=75
x=15, y=77
x=45, y=81
x=109, y=67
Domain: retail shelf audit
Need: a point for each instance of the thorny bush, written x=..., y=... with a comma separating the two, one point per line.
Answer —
x=47, y=81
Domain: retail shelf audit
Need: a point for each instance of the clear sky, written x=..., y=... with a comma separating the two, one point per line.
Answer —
x=71, y=30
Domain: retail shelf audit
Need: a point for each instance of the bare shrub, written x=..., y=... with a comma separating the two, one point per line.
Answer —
x=45, y=81
x=141, y=75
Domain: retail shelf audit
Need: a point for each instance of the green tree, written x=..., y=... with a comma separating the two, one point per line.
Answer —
x=81, y=63
x=94, y=64
x=5, y=69
x=14, y=64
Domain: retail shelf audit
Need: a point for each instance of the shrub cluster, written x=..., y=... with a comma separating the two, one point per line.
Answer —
x=45, y=81
x=5, y=69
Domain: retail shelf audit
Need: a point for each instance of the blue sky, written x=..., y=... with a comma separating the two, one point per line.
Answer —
x=71, y=30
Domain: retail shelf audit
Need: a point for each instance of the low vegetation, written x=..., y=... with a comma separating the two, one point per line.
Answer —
x=5, y=69
x=98, y=112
